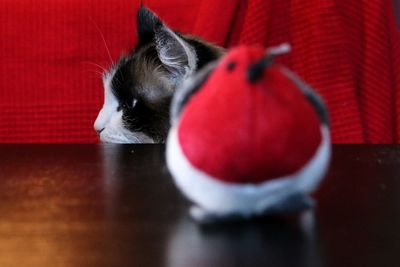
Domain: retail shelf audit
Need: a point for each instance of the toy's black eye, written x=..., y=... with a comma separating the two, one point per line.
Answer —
x=231, y=66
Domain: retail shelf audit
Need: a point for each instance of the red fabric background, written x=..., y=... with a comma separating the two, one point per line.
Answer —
x=49, y=91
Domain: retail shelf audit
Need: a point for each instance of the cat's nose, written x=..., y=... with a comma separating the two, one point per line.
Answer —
x=98, y=125
x=99, y=130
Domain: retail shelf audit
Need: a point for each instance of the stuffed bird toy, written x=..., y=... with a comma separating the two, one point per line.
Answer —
x=248, y=138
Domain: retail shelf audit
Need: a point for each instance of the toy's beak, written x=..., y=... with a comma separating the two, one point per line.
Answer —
x=256, y=70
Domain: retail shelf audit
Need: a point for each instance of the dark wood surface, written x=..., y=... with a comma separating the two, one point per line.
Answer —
x=115, y=205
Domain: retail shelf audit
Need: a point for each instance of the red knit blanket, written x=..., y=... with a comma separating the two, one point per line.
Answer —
x=50, y=92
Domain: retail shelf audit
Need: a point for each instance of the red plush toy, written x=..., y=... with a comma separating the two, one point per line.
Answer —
x=248, y=138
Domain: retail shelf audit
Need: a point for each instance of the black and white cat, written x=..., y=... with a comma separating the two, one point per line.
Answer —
x=139, y=88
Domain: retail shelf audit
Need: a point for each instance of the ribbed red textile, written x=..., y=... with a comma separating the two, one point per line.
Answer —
x=50, y=91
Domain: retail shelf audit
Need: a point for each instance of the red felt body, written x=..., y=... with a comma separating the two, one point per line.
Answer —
x=248, y=133
x=49, y=91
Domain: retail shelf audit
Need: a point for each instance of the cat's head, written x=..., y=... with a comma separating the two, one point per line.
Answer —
x=140, y=86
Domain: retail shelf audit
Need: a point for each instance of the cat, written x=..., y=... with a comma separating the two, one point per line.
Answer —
x=138, y=89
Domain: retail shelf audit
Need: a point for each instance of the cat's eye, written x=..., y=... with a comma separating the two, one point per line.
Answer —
x=122, y=107
x=134, y=102
x=126, y=106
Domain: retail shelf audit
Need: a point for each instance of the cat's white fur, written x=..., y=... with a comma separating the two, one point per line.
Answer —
x=109, y=124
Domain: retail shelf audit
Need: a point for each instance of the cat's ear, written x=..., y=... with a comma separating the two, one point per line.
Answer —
x=147, y=25
x=176, y=54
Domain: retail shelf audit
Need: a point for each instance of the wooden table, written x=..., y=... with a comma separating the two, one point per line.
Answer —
x=115, y=205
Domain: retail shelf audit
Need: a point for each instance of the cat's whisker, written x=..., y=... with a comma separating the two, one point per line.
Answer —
x=96, y=65
x=98, y=73
x=103, y=38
